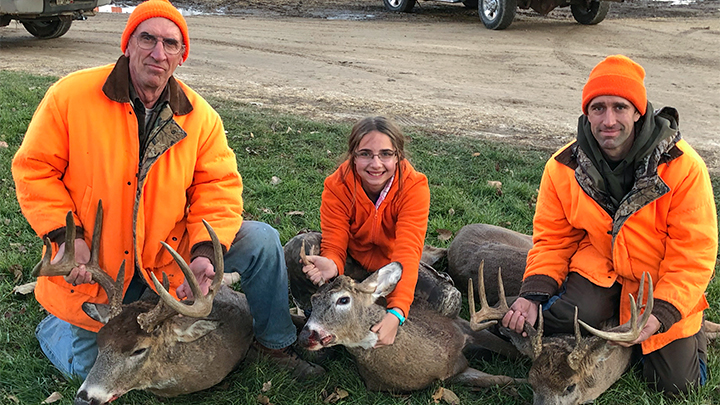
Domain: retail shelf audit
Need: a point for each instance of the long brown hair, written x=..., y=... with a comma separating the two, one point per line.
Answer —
x=382, y=125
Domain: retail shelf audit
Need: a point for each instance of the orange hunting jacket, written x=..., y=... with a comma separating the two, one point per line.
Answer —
x=82, y=146
x=665, y=226
x=375, y=237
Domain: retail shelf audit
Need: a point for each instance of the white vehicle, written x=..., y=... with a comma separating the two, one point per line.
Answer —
x=47, y=18
x=499, y=14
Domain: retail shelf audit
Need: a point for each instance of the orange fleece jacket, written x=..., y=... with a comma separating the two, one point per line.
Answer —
x=376, y=237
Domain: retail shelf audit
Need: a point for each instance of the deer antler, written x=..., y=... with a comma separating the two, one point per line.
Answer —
x=479, y=320
x=203, y=303
x=619, y=334
x=113, y=288
x=304, y=258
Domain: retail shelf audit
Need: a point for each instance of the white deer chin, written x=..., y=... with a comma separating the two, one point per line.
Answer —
x=368, y=342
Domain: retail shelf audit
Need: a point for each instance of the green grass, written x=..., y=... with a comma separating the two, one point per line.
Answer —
x=300, y=153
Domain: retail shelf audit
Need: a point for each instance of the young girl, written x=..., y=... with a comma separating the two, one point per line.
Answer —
x=374, y=211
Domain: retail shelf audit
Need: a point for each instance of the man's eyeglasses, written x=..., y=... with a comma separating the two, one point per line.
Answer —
x=365, y=155
x=147, y=42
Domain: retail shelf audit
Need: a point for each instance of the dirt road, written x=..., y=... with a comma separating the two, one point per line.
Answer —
x=437, y=68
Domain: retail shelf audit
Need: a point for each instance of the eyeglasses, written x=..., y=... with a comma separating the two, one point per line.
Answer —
x=147, y=42
x=365, y=155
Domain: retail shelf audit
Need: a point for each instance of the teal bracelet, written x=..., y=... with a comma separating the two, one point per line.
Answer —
x=397, y=314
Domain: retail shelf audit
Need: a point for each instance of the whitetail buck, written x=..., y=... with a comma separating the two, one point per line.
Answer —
x=168, y=349
x=428, y=346
x=498, y=247
x=568, y=369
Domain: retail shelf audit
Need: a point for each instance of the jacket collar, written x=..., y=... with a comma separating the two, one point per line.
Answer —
x=117, y=88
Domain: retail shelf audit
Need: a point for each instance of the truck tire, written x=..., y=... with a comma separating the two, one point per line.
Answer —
x=48, y=29
x=497, y=14
x=591, y=14
x=404, y=6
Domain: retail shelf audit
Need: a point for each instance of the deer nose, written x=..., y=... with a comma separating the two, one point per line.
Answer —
x=307, y=337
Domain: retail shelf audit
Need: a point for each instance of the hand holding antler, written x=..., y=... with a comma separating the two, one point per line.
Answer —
x=204, y=272
x=78, y=275
x=317, y=269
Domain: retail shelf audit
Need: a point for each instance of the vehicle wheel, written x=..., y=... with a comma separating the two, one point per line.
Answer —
x=497, y=14
x=471, y=4
x=47, y=29
x=592, y=14
x=399, y=5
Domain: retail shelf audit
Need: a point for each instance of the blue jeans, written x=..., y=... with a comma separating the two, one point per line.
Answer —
x=256, y=253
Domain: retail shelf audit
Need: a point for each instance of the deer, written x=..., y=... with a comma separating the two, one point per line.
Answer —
x=567, y=369
x=160, y=344
x=498, y=247
x=428, y=346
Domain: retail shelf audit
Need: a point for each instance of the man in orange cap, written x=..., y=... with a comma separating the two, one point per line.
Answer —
x=629, y=196
x=155, y=152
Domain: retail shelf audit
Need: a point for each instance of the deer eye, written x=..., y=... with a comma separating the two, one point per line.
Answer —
x=570, y=389
x=343, y=301
x=139, y=351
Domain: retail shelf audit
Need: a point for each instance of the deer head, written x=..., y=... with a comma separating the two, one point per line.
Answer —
x=343, y=311
x=572, y=369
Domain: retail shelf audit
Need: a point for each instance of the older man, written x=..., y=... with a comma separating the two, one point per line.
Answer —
x=629, y=196
x=155, y=152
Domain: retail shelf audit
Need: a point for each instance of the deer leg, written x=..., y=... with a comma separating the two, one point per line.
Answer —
x=477, y=378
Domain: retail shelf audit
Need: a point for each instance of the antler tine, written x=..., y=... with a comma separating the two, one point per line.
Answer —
x=203, y=303
x=66, y=264
x=303, y=257
x=536, y=334
x=635, y=326
x=487, y=316
x=148, y=321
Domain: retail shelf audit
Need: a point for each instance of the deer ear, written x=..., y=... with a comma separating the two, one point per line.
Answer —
x=383, y=281
x=98, y=312
x=194, y=331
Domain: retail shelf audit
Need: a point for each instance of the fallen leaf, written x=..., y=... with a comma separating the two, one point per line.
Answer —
x=24, y=289
x=54, y=397
x=437, y=395
x=266, y=386
x=497, y=185
x=476, y=154
x=13, y=398
x=288, y=130
x=17, y=272
x=266, y=210
x=295, y=213
x=3, y=144
x=19, y=246
x=275, y=180
x=336, y=396
x=262, y=399
x=444, y=234
x=450, y=397
x=451, y=211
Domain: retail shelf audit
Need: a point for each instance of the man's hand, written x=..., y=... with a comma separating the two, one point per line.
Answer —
x=204, y=272
x=521, y=311
x=386, y=330
x=651, y=327
x=320, y=269
x=78, y=275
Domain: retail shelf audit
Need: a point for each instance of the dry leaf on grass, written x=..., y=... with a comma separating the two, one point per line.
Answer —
x=13, y=398
x=54, y=397
x=16, y=270
x=24, y=289
x=275, y=180
x=444, y=234
x=445, y=395
x=263, y=400
x=266, y=386
x=3, y=144
x=295, y=213
x=336, y=396
x=497, y=185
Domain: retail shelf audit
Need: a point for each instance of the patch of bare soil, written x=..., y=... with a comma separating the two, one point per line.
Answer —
x=436, y=68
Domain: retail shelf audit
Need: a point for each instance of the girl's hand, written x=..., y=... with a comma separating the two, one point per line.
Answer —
x=386, y=330
x=320, y=269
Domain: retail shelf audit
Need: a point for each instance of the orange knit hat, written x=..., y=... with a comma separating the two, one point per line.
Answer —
x=617, y=75
x=155, y=8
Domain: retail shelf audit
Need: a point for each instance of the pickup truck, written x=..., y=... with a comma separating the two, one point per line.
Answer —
x=499, y=14
x=47, y=18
